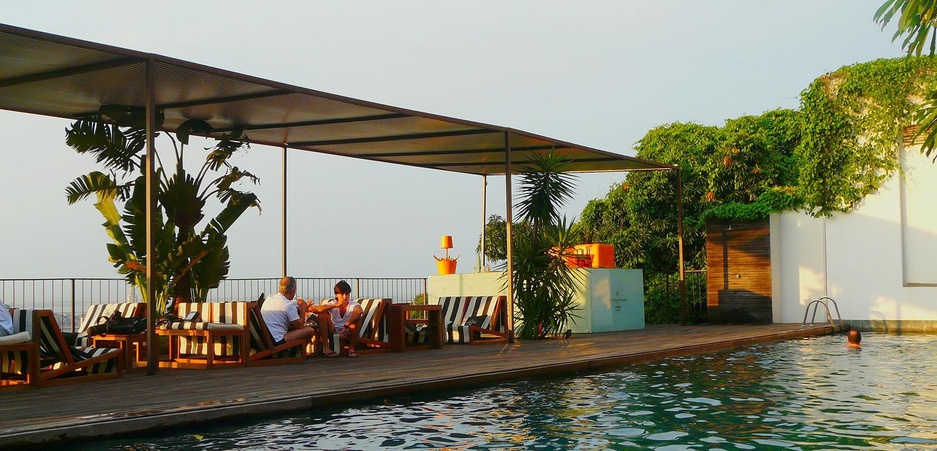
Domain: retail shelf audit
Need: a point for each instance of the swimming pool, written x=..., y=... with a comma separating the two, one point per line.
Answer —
x=801, y=394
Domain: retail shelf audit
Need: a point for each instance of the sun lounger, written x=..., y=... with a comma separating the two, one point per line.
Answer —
x=96, y=311
x=263, y=350
x=19, y=360
x=470, y=319
x=60, y=363
x=372, y=326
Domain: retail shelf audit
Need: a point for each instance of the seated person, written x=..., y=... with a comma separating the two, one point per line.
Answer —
x=6, y=321
x=339, y=315
x=285, y=318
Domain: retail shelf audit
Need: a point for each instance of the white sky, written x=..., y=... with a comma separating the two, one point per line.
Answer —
x=596, y=73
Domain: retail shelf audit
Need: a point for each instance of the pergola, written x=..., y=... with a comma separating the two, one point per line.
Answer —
x=52, y=75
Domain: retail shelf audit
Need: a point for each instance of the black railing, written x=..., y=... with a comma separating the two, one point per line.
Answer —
x=69, y=298
x=662, y=297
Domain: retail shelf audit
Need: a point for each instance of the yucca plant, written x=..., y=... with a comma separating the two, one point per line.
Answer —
x=544, y=285
x=188, y=262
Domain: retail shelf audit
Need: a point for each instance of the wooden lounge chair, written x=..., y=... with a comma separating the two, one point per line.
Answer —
x=470, y=318
x=484, y=320
x=97, y=311
x=373, y=324
x=263, y=351
x=19, y=359
x=60, y=363
x=372, y=327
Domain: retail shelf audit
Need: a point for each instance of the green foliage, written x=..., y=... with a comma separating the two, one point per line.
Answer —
x=188, y=263
x=495, y=239
x=543, y=284
x=771, y=201
x=916, y=20
x=852, y=119
x=734, y=164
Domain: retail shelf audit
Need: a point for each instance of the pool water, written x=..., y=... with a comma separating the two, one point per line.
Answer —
x=802, y=394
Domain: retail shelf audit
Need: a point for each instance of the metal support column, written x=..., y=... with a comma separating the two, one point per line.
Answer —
x=484, y=214
x=283, y=225
x=510, y=235
x=152, y=347
x=683, y=306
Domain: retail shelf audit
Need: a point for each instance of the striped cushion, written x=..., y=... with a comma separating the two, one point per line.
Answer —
x=453, y=315
x=105, y=366
x=371, y=327
x=15, y=362
x=482, y=307
x=214, y=316
x=456, y=311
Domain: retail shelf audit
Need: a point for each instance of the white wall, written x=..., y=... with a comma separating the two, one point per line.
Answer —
x=879, y=262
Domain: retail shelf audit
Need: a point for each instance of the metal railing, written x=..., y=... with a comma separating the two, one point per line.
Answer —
x=662, y=295
x=825, y=302
x=69, y=298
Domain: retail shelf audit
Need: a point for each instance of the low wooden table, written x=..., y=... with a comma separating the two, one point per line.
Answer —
x=133, y=346
x=397, y=315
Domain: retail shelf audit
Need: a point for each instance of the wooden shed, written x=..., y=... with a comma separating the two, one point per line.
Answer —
x=738, y=255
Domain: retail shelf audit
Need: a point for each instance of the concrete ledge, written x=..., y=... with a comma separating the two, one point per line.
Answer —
x=893, y=326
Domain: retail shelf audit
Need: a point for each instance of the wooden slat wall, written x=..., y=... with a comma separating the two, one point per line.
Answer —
x=739, y=271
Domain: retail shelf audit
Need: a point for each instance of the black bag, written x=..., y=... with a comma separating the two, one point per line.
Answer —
x=117, y=324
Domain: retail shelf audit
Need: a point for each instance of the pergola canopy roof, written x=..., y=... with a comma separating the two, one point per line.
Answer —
x=52, y=75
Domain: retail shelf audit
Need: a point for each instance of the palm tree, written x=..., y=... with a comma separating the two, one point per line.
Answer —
x=188, y=262
x=544, y=285
x=917, y=22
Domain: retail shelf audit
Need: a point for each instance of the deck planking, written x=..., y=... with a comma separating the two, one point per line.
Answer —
x=138, y=402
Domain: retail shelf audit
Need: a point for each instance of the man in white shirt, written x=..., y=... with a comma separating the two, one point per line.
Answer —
x=285, y=317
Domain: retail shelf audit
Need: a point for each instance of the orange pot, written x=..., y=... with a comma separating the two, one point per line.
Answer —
x=446, y=266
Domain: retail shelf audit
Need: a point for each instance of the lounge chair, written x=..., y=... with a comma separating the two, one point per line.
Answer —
x=263, y=350
x=19, y=359
x=484, y=320
x=96, y=311
x=473, y=318
x=60, y=363
x=372, y=326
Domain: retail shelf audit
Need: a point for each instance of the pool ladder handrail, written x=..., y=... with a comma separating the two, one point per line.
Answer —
x=824, y=301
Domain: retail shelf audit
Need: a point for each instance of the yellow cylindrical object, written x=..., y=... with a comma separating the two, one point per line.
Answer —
x=446, y=266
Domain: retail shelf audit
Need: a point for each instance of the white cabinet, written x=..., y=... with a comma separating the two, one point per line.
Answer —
x=608, y=299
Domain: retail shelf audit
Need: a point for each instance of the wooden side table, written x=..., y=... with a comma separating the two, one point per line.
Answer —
x=133, y=346
x=397, y=315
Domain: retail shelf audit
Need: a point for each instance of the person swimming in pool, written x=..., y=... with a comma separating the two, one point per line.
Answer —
x=854, y=338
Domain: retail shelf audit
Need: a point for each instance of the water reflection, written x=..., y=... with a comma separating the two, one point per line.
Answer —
x=803, y=394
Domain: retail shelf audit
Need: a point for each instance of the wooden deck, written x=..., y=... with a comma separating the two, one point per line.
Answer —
x=137, y=402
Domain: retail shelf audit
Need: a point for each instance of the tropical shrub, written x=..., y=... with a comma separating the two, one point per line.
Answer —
x=188, y=262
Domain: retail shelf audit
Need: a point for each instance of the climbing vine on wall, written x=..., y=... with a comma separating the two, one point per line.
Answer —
x=853, y=119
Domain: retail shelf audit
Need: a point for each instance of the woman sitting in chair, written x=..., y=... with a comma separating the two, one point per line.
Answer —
x=339, y=316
